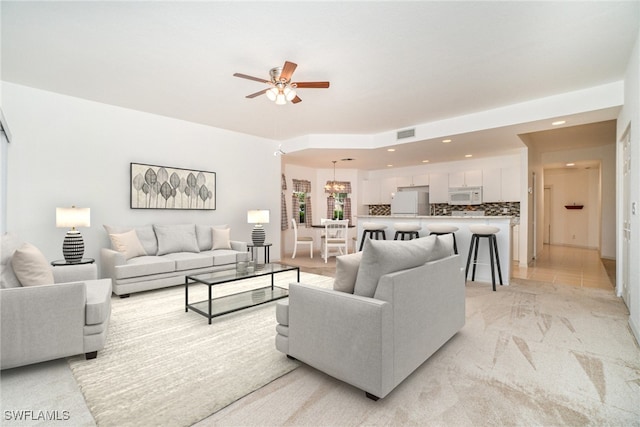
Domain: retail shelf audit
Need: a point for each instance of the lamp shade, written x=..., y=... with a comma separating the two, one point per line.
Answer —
x=258, y=216
x=73, y=217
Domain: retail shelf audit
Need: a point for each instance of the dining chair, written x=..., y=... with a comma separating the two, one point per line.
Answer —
x=300, y=240
x=335, y=236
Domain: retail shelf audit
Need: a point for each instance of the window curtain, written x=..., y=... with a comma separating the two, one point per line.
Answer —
x=295, y=208
x=331, y=206
x=284, y=218
x=302, y=186
x=347, y=210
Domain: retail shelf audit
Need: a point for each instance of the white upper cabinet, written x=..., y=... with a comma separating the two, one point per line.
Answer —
x=421, y=179
x=404, y=181
x=501, y=185
x=378, y=191
x=465, y=179
x=439, y=187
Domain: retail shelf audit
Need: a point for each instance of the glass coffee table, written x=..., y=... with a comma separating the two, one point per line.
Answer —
x=214, y=307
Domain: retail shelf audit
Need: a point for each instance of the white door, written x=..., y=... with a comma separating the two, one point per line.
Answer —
x=626, y=218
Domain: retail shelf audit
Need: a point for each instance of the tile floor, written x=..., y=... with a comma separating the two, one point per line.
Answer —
x=556, y=264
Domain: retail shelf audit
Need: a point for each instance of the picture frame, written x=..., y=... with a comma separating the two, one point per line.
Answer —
x=162, y=187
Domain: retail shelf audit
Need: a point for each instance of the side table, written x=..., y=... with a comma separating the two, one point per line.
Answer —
x=60, y=262
x=267, y=248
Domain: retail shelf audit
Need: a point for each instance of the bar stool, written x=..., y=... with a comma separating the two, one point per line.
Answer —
x=406, y=229
x=439, y=229
x=490, y=233
x=373, y=230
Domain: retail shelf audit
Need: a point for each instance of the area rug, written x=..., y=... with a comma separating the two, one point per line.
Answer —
x=164, y=366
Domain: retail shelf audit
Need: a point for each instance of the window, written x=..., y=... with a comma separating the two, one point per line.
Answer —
x=301, y=197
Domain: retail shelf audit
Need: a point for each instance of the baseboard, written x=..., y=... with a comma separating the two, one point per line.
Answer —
x=635, y=330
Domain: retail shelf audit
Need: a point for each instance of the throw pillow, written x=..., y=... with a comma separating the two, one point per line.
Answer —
x=347, y=272
x=221, y=238
x=204, y=236
x=176, y=238
x=127, y=243
x=380, y=257
x=146, y=235
x=8, y=279
x=31, y=267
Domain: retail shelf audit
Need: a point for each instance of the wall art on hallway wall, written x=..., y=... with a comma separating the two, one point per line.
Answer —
x=160, y=187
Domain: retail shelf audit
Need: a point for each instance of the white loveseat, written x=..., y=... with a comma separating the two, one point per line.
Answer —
x=155, y=256
x=408, y=300
x=49, y=312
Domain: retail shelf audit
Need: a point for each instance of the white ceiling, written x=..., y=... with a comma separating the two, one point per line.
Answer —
x=391, y=65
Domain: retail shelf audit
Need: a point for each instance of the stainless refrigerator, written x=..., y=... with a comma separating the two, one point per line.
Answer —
x=410, y=203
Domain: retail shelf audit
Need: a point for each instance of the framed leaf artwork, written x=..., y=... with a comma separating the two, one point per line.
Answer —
x=160, y=187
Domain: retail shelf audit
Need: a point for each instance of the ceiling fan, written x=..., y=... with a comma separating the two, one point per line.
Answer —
x=281, y=89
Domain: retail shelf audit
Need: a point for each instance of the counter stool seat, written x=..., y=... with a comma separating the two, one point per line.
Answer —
x=488, y=232
x=406, y=229
x=374, y=230
x=440, y=229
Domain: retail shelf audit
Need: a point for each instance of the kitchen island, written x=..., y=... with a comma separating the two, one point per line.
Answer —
x=463, y=238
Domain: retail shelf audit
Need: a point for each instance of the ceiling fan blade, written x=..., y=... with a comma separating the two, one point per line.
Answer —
x=287, y=70
x=312, y=85
x=253, y=95
x=296, y=100
x=244, y=76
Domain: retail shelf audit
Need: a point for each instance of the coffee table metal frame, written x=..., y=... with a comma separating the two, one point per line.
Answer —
x=226, y=276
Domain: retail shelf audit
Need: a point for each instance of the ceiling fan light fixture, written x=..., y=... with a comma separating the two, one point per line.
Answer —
x=289, y=93
x=272, y=93
x=280, y=99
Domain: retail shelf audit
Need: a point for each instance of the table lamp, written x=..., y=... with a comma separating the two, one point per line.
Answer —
x=73, y=244
x=258, y=217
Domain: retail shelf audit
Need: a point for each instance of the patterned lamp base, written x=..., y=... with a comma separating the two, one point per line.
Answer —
x=258, y=235
x=73, y=247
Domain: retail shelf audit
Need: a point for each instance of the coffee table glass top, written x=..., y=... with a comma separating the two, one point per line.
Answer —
x=223, y=276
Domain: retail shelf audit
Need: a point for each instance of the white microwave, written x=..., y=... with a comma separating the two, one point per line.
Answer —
x=465, y=195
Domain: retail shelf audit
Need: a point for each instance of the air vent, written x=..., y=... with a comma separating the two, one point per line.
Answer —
x=408, y=133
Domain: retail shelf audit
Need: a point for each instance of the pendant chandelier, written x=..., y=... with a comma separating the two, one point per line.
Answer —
x=334, y=186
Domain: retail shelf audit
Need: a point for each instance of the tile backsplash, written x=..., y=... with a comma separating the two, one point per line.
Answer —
x=438, y=209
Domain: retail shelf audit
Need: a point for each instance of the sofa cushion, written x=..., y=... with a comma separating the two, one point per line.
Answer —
x=127, y=243
x=282, y=312
x=347, y=272
x=145, y=233
x=222, y=256
x=221, y=238
x=189, y=260
x=31, y=267
x=176, y=238
x=144, y=266
x=204, y=235
x=8, y=279
x=380, y=257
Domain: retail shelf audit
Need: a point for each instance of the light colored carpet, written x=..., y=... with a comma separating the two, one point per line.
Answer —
x=530, y=354
x=162, y=366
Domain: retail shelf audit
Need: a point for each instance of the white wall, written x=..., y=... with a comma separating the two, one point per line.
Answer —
x=630, y=118
x=574, y=227
x=68, y=151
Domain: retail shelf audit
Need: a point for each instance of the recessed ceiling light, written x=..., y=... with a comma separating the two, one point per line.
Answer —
x=389, y=166
x=391, y=149
x=570, y=164
x=468, y=155
x=559, y=122
x=446, y=141
x=425, y=161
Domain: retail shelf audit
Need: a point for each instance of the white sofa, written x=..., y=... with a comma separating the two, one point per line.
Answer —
x=397, y=317
x=66, y=316
x=155, y=256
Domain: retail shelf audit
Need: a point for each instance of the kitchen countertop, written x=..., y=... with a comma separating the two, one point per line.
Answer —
x=439, y=216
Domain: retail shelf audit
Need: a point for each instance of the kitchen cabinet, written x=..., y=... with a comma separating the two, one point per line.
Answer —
x=404, y=181
x=421, y=179
x=439, y=187
x=378, y=191
x=471, y=178
x=501, y=185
